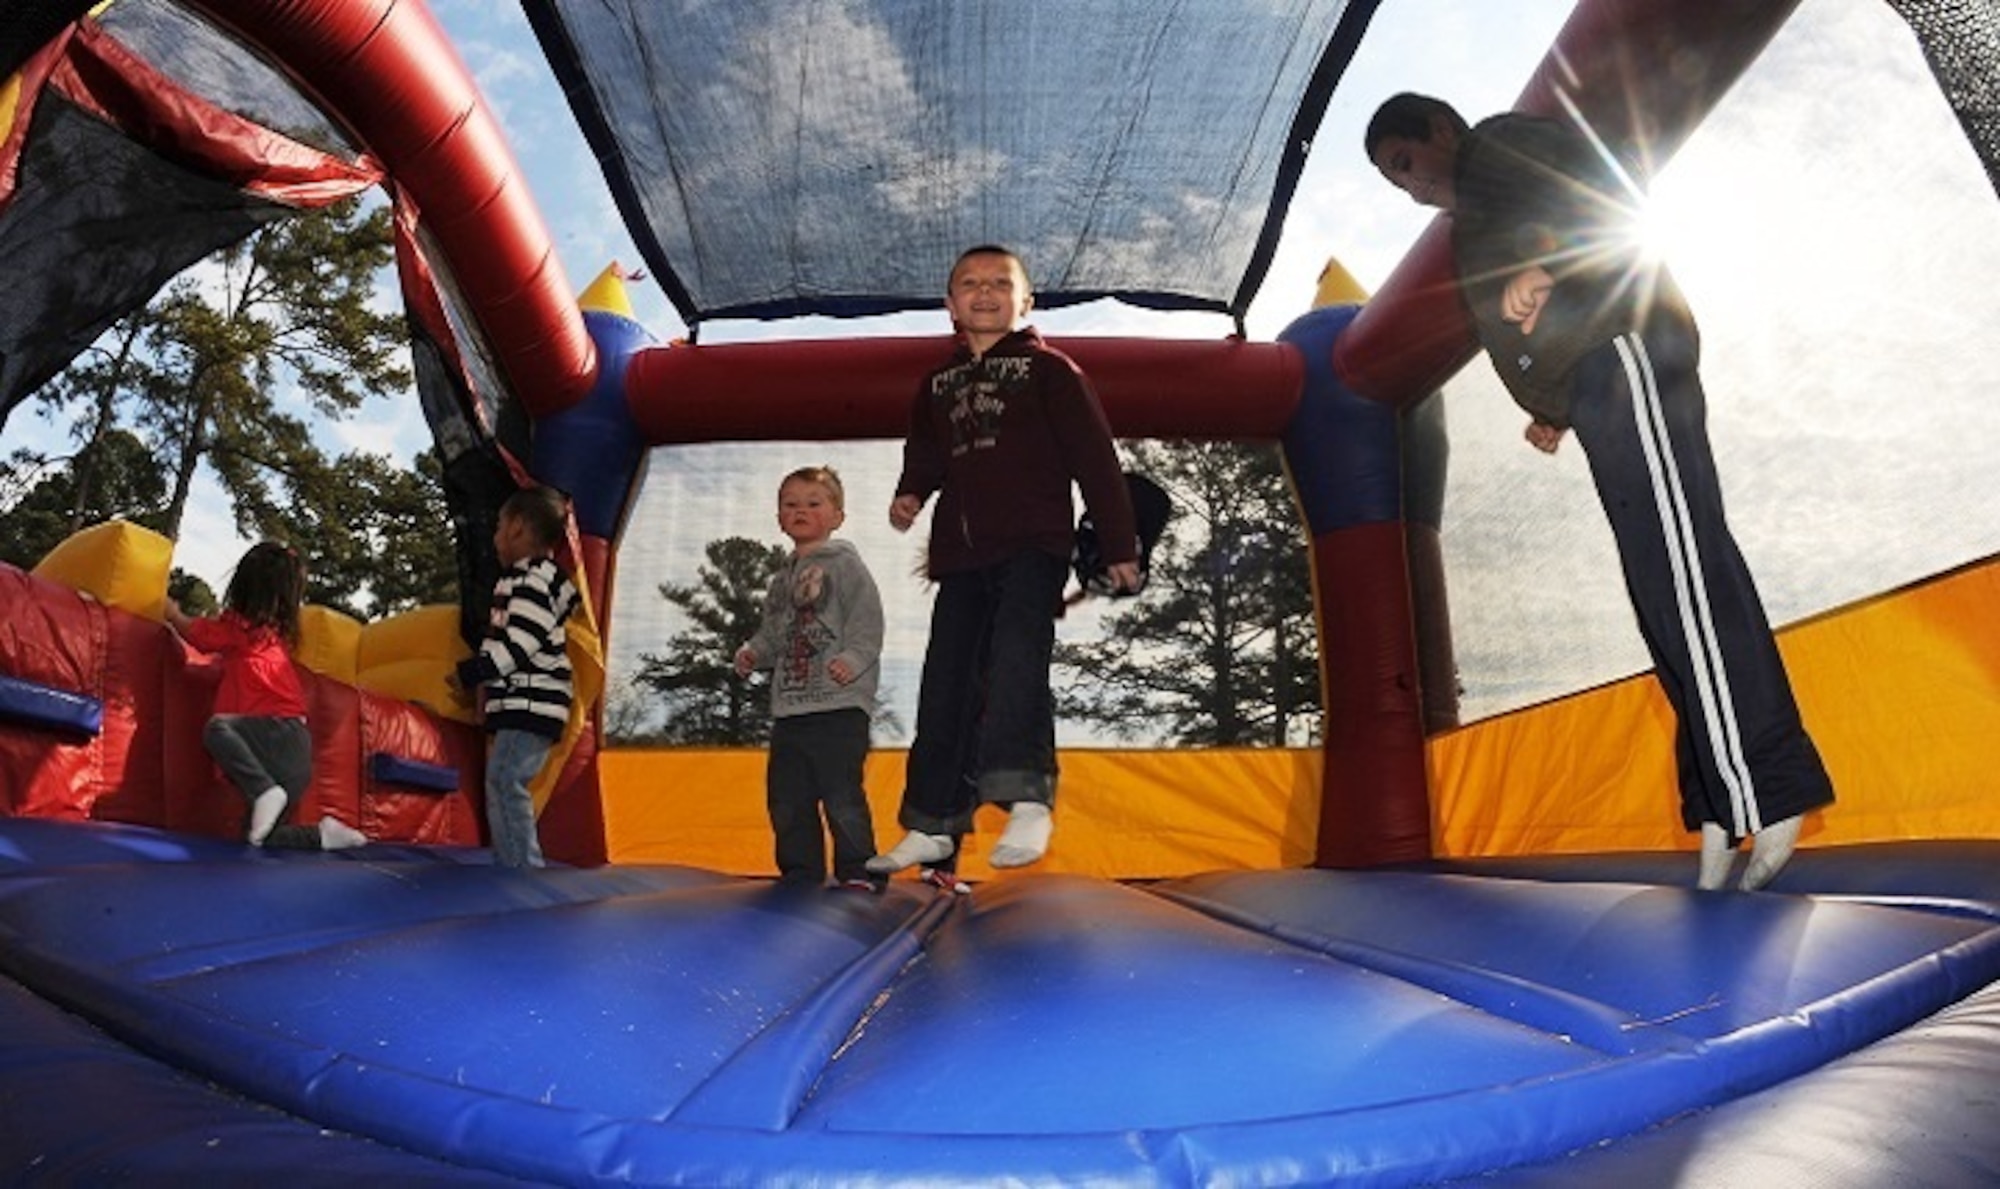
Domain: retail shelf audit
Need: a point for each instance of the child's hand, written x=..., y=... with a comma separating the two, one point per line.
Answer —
x=746, y=661
x=1544, y=437
x=841, y=672
x=1527, y=291
x=459, y=694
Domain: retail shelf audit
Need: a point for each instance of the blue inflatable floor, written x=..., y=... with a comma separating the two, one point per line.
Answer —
x=180, y=1006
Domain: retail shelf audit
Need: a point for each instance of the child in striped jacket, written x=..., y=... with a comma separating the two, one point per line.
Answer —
x=522, y=666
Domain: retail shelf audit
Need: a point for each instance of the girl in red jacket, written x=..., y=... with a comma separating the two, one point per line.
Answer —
x=257, y=732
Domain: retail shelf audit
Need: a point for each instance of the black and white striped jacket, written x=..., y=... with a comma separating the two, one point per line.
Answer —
x=522, y=660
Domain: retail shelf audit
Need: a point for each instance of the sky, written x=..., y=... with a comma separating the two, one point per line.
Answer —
x=1831, y=227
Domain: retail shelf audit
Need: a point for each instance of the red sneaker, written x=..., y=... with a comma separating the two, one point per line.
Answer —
x=945, y=881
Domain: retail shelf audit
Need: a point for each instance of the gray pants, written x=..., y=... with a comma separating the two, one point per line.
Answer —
x=257, y=752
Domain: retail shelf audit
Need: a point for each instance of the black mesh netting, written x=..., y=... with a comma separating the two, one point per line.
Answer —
x=214, y=65
x=776, y=158
x=1961, y=40
x=97, y=225
x=28, y=25
x=474, y=429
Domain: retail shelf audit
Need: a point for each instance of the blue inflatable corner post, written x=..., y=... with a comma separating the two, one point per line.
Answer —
x=592, y=449
x=1341, y=448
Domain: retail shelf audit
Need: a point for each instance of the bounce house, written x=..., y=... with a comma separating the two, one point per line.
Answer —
x=1396, y=958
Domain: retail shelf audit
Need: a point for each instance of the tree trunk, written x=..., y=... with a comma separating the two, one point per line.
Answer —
x=105, y=400
x=193, y=446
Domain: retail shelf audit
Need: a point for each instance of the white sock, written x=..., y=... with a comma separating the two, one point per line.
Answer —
x=1770, y=851
x=915, y=848
x=335, y=834
x=1717, y=857
x=1026, y=838
x=265, y=812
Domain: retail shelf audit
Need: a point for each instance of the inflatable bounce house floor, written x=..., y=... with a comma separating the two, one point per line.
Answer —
x=417, y=1016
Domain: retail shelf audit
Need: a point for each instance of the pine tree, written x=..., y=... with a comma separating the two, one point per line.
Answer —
x=45, y=501
x=695, y=678
x=200, y=374
x=376, y=536
x=1220, y=650
x=287, y=311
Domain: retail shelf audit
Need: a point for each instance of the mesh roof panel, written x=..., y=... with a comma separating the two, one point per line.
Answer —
x=779, y=157
x=1961, y=40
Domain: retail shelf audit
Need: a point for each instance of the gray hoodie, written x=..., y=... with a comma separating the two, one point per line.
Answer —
x=821, y=607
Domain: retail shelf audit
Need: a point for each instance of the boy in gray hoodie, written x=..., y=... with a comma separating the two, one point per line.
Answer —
x=821, y=638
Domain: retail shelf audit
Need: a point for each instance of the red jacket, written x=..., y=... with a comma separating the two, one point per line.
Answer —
x=257, y=673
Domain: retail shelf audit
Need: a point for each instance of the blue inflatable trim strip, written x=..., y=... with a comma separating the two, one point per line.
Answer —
x=40, y=705
x=416, y=774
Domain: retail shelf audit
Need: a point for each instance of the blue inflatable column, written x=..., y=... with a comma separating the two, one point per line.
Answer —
x=1344, y=454
x=593, y=451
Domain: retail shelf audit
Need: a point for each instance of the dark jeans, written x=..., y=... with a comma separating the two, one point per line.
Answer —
x=985, y=718
x=815, y=765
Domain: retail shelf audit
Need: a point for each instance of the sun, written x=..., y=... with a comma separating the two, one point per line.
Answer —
x=1709, y=218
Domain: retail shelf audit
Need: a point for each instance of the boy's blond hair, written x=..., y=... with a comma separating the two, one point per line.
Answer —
x=826, y=477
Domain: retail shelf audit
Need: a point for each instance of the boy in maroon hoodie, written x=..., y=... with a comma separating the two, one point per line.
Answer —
x=999, y=433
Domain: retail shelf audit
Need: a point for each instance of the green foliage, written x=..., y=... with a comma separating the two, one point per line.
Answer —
x=1220, y=650
x=45, y=501
x=113, y=472
x=205, y=376
x=376, y=536
x=196, y=597
x=289, y=313
x=695, y=679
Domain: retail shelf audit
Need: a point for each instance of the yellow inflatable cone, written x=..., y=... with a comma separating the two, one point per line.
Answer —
x=1337, y=286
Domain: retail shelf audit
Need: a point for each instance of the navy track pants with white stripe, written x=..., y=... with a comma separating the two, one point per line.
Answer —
x=1641, y=417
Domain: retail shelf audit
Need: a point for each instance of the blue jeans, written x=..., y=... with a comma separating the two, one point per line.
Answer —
x=512, y=761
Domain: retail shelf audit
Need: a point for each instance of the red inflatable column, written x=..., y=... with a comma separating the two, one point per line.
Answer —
x=1375, y=804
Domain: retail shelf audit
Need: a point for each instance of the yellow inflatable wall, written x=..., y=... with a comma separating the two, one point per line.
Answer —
x=411, y=656
x=329, y=643
x=1901, y=694
x=1140, y=814
x=118, y=563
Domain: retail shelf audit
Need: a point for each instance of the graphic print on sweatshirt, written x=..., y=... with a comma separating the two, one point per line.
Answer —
x=808, y=636
x=979, y=390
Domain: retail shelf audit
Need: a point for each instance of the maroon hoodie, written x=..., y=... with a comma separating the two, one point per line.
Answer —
x=1002, y=436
